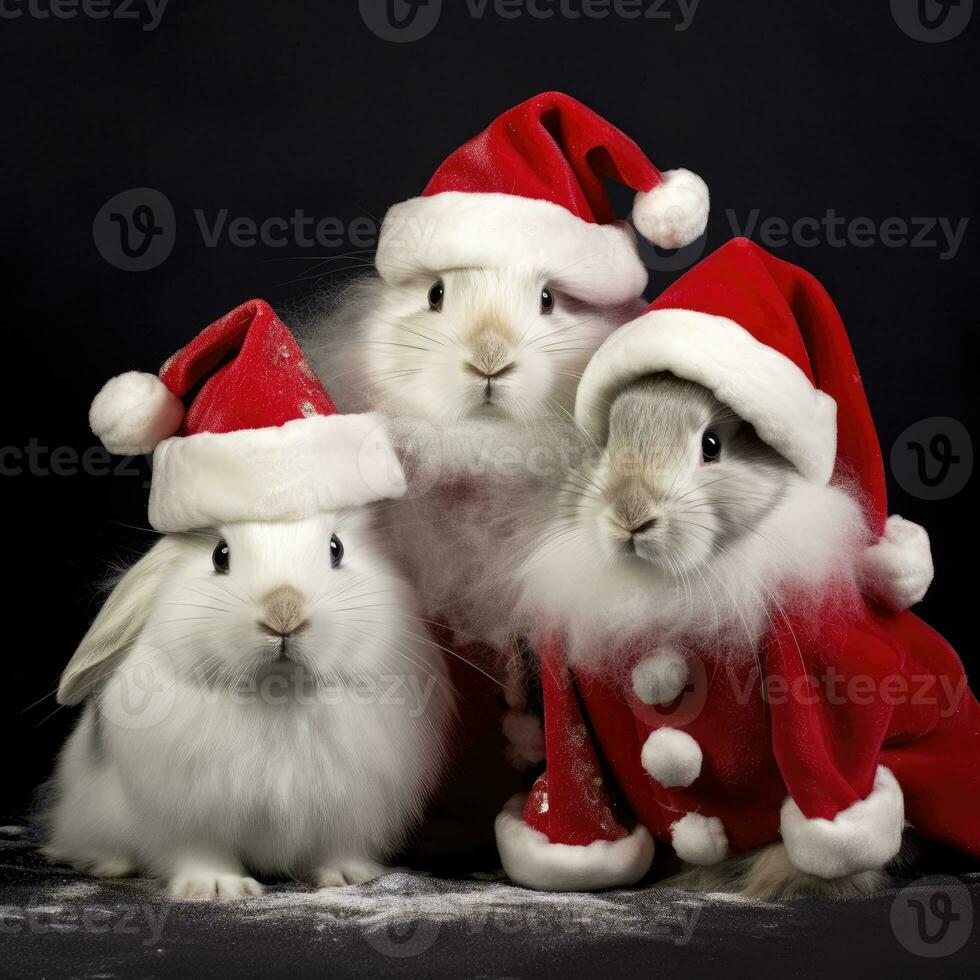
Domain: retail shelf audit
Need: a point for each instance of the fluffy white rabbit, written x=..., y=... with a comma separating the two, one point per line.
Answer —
x=259, y=699
x=478, y=370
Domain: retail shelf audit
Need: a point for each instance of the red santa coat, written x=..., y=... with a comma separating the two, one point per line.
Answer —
x=836, y=738
x=852, y=720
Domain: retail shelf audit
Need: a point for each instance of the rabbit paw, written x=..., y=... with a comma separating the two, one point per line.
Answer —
x=354, y=872
x=208, y=886
x=97, y=865
x=118, y=867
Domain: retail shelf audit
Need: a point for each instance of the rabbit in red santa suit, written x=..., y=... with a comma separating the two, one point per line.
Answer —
x=712, y=676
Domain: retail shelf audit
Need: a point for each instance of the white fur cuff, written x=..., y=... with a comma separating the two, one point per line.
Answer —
x=530, y=859
x=864, y=837
x=595, y=263
x=279, y=473
x=760, y=384
x=898, y=569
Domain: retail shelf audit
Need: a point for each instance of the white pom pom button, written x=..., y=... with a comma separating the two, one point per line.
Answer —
x=671, y=757
x=661, y=678
x=698, y=839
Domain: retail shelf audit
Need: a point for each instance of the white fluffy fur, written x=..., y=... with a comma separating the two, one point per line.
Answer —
x=530, y=859
x=593, y=262
x=133, y=412
x=675, y=212
x=478, y=473
x=768, y=875
x=380, y=347
x=812, y=535
x=313, y=767
x=323, y=462
x=525, y=738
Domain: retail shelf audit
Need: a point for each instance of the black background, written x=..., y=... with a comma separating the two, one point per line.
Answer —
x=264, y=109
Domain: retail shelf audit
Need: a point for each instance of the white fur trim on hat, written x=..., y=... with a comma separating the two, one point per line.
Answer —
x=675, y=212
x=698, y=839
x=660, y=678
x=133, y=412
x=530, y=859
x=864, y=837
x=280, y=473
x=897, y=570
x=671, y=757
x=591, y=262
x=760, y=384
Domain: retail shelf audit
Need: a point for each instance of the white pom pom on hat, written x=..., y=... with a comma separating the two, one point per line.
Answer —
x=674, y=213
x=134, y=412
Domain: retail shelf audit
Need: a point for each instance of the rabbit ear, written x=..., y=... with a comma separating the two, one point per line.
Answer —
x=119, y=622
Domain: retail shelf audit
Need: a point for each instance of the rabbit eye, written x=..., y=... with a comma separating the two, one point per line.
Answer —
x=336, y=551
x=547, y=300
x=221, y=557
x=710, y=447
x=436, y=293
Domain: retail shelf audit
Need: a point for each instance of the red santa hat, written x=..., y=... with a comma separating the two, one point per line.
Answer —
x=261, y=439
x=528, y=191
x=766, y=338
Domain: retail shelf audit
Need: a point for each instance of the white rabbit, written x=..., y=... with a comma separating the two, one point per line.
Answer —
x=259, y=699
x=478, y=369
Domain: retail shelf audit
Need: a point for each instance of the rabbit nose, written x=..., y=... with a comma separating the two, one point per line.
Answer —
x=490, y=357
x=485, y=374
x=645, y=526
x=284, y=612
